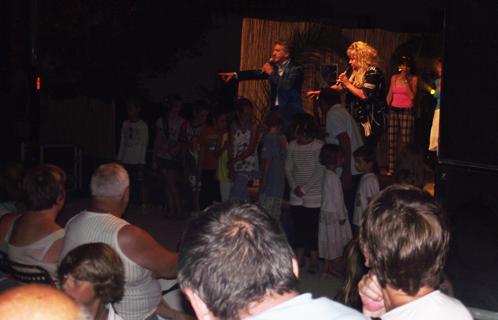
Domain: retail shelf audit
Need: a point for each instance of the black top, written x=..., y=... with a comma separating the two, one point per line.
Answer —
x=375, y=107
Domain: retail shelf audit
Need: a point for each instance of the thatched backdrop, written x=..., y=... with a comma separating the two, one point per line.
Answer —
x=258, y=37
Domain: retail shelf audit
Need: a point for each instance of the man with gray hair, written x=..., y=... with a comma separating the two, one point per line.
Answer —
x=143, y=257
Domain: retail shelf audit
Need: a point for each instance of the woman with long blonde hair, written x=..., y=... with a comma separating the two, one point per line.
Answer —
x=363, y=83
x=365, y=89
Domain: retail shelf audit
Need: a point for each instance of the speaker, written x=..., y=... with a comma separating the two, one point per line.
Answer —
x=470, y=198
x=469, y=111
x=467, y=174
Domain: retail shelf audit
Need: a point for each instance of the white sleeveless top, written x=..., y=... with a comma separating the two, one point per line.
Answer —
x=142, y=293
x=33, y=254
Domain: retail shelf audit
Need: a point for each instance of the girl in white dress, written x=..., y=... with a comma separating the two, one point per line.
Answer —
x=366, y=163
x=334, y=228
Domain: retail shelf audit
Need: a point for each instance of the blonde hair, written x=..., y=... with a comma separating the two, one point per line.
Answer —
x=365, y=57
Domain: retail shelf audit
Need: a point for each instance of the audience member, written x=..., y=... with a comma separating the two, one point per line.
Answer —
x=11, y=177
x=252, y=270
x=366, y=163
x=208, y=162
x=401, y=117
x=304, y=175
x=405, y=242
x=11, y=197
x=190, y=133
x=334, y=228
x=35, y=238
x=412, y=168
x=243, y=161
x=355, y=270
x=167, y=150
x=39, y=302
x=93, y=275
x=133, y=149
x=434, y=135
x=222, y=170
x=343, y=130
x=273, y=155
x=142, y=256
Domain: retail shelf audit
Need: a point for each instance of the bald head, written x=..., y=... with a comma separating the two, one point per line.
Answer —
x=38, y=302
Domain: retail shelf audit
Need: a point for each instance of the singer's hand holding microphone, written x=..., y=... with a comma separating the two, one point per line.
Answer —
x=268, y=66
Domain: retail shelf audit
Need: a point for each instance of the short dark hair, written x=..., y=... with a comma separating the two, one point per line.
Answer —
x=411, y=167
x=200, y=105
x=98, y=264
x=286, y=44
x=133, y=101
x=242, y=102
x=366, y=153
x=234, y=254
x=330, y=153
x=405, y=239
x=305, y=125
x=42, y=186
x=274, y=119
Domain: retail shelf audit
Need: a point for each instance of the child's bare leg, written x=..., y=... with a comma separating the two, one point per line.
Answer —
x=313, y=265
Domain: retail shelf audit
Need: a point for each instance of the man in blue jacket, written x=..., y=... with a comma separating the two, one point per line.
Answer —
x=285, y=78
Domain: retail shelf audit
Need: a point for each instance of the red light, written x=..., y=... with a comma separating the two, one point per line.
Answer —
x=38, y=83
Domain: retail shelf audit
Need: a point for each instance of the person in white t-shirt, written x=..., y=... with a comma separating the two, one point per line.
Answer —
x=365, y=162
x=133, y=149
x=253, y=273
x=405, y=243
x=343, y=130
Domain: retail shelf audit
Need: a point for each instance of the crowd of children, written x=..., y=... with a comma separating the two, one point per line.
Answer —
x=218, y=155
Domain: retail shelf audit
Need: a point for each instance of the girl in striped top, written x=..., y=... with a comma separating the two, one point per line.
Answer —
x=304, y=174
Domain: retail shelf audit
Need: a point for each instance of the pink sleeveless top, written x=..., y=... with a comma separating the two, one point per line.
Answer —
x=400, y=96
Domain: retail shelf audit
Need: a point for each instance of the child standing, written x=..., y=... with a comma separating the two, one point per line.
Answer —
x=273, y=155
x=243, y=158
x=190, y=138
x=334, y=230
x=222, y=170
x=133, y=148
x=210, y=136
x=167, y=150
x=365, y=162
x=304, y=174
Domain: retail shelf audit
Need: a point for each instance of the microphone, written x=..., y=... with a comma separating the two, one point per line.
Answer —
x=271, y=61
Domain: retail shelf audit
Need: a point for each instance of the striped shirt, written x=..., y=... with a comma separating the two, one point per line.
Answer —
x=303, y=169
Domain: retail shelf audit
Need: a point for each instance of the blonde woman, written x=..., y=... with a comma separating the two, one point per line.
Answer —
x=365, y=90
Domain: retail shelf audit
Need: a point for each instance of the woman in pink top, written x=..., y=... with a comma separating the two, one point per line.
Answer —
x=401, y=117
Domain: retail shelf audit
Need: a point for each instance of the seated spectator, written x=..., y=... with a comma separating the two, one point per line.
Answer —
x=40, y=302
x=10, y=199
x=235, y=263
x=355, y=269
x=405, y=242
x=142, y=256
x=11, y=177
x=93, y=275
x=35, y=238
